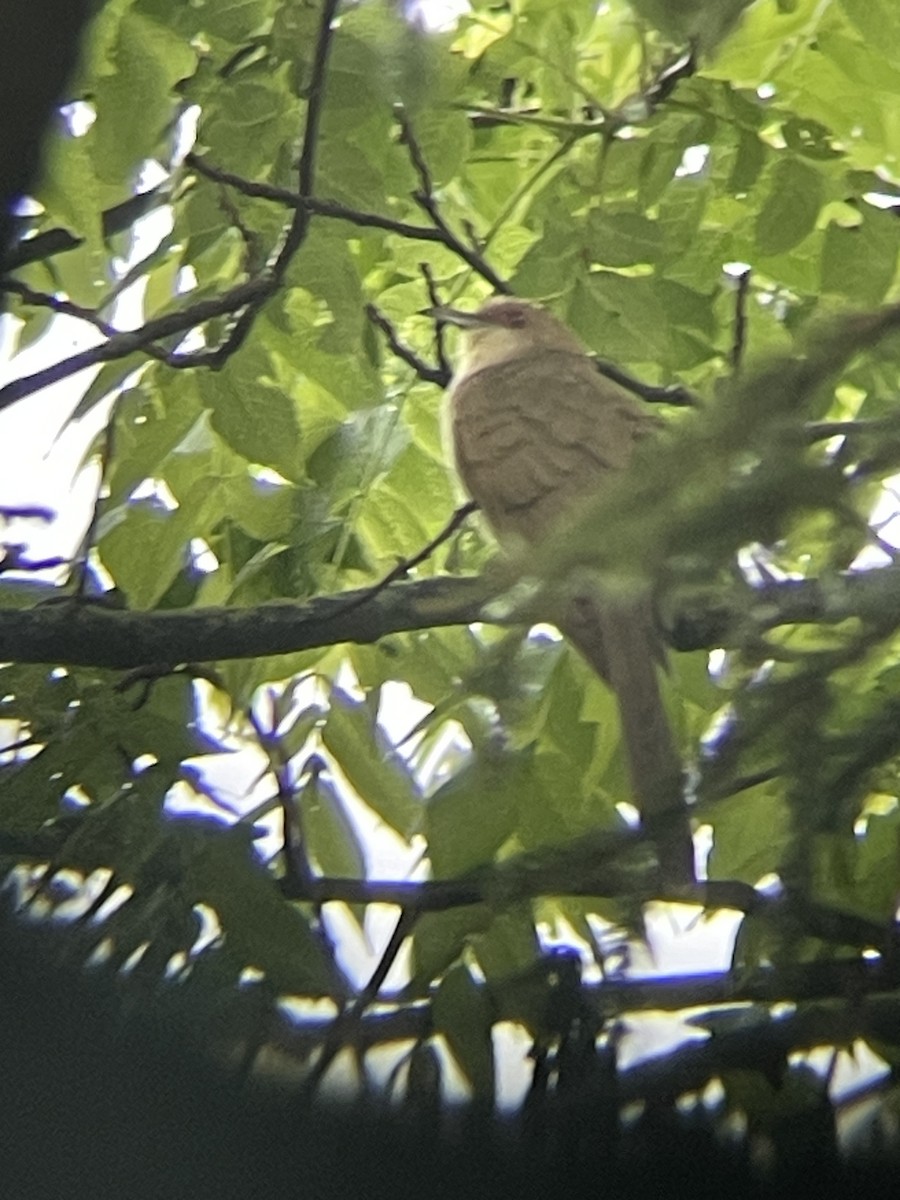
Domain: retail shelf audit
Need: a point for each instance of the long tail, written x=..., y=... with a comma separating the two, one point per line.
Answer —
x=622, y=646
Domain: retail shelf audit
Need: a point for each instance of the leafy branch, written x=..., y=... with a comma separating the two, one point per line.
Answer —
x=244, y=300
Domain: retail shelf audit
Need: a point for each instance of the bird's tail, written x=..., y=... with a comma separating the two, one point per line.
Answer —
x=621, y=644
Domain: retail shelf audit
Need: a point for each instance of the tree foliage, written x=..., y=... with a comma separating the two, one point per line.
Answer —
x=709, y=198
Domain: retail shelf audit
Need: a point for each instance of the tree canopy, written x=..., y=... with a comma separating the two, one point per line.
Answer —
x=708, y=194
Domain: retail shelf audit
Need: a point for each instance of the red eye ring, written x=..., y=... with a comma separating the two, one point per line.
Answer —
x=511, y=316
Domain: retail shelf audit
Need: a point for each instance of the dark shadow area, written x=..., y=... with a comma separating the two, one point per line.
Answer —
x=102, y=1095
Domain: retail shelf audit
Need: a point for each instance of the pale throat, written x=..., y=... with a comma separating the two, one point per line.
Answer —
x=488, y=347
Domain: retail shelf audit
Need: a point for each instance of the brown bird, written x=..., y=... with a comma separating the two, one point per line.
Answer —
x=536, y=429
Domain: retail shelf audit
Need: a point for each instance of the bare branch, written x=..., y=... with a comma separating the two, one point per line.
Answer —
x=674, y=394
x=26, y=512
x=820, y=431
x=113, y=220
x=427, y=201
x=121, y=344
x=297, y=869
x=439, y=329
x=346, y=1025
x=298, y=227
x=739, y=341
x=99, y=635
x=868, y=982
x=425, y=372
x=406, y=565
x=320, y=208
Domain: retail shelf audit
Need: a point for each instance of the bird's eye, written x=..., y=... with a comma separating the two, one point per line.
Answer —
x=515, y=319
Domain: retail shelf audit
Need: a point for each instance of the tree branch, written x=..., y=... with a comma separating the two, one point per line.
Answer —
x=424, y=196
x=674, y=393
x=869, y=984
x=120, y=345
x=332, y=209
x=429, y=374
x=246, y=299
x=67, y=632
x=298, y=228
x=113, y=220
x=97, y=635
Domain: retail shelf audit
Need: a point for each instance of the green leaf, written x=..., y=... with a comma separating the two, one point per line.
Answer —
x=332, y=838
x=111, y=375
x=622, y=239
x=750, y=832
x=255, y=418
x=144, y=544
x=462, y=1012
x=149, y=424
x=879, y=23
x=134, y=96
x=860, y=261
x=375, y=771
x=748, y=162
x=439, y=939
x=792, y=207
x=260, y=926
x=469, y=818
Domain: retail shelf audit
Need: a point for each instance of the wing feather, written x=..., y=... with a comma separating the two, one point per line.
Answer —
x=535, y=434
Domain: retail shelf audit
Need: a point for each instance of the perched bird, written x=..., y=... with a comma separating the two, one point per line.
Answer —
x=535, y=430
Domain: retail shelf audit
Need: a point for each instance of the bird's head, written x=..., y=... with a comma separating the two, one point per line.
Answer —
x=504, y=329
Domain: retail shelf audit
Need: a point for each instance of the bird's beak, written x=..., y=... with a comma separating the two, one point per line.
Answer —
x=455, y=316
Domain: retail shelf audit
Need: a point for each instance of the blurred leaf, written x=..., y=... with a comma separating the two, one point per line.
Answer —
x=263, y=929
x=792, y=207
x=470, y=817
x=376, y=772
x=332, y=838
x=462, y=1013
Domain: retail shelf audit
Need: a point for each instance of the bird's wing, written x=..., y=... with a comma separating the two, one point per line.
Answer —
x=535, y=434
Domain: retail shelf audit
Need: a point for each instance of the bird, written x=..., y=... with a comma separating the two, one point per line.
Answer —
x=535, y=430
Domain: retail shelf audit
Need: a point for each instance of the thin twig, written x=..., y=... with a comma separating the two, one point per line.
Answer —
x=424, y=196
x=113, y=220
x=68, y=308
x=739, y=342
x=26, y=512
x=424, y=371
x=669, y=75
x=675, y=394
x=298, y=873
x=298, y=227
x=319, y=208
x=245, y=299
x=434, y=300
x=403, y=568
x=12, y=558
x=346, y=1023
x=819, y=431
x=253, y=254
x=79, y=571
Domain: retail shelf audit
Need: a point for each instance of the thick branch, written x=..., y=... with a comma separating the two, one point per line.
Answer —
x=870, y=596
x=93, y=635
